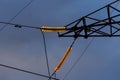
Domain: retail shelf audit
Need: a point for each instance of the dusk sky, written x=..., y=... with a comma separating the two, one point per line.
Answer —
x=23, y=47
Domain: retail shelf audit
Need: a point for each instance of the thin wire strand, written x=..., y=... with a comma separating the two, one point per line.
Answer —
x=45, y=51
x=25, y=71
x=46, y=54
x=17, y=14
x=79, y=58
x=82, y=53
x=20, y=25
x=54, y=73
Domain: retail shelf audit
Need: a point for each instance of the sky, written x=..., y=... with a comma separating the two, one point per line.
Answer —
x=23, y=48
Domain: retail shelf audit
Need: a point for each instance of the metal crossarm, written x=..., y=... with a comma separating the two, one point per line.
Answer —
x=106, y=24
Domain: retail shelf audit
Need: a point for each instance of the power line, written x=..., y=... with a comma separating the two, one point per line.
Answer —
x=25, y=71
x=28, y=26
x=17, y=14
x=62, y=60
x=46, y=55
x=16, y=25
x=84, y=50
x=20, y=25
x=44, y=41
x=78, y=59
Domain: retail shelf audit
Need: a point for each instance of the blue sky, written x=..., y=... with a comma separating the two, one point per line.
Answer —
x=23, y=48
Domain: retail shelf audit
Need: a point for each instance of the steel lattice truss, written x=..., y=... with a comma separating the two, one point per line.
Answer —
x=104, y=22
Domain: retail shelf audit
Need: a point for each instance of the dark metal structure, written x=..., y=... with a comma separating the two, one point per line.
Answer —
x=104, y=22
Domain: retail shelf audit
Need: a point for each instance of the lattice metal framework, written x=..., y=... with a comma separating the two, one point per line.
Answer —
x=104, y=22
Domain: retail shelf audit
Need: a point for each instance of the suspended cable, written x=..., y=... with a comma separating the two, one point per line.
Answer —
x=49, y=30
x=46, y=55
x=17, y=14
x=19, y=25
x=16, y=25
x=84, y=50
x=63, y=59
x=25, y=71
x=79, y=58
x=43, y=29
x=53, y=29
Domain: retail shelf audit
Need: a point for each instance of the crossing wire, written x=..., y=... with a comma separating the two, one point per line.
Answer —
x=46, y=49
x=25, y=71
x=30, y=27
x=46, y=54
x=84, y=50
x=54, y=73
x=44, y=41
x=17, y=14
x=79, y=58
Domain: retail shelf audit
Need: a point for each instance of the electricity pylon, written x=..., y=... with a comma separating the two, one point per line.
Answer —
x=90, y=26
x=104, y=22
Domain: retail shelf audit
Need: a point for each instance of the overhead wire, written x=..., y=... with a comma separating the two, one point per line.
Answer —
x=61, y=62
x=28, y=26
x=76, y=62
x=18, y=25
x=25, y=71
x=46, y=54
x=78, y=59
x=44, y=41
x=17, y=14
